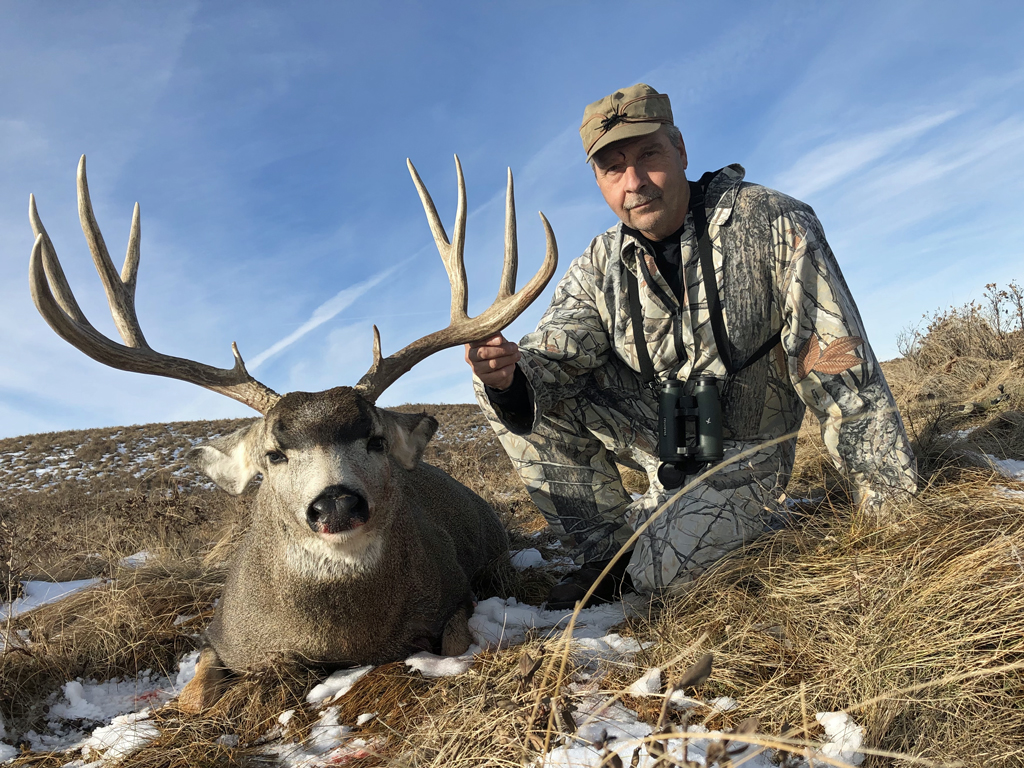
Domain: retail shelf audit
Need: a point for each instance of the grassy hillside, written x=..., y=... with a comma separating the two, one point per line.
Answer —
x=914, y=625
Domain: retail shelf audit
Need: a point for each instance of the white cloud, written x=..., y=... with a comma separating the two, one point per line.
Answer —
x=827, y=165
x=341, y=301
x=979, y=146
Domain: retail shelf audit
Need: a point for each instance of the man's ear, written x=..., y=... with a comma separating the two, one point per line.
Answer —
x=408, y=435
x=227, y=460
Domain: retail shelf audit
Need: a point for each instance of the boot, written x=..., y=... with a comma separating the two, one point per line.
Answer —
x=571, y=589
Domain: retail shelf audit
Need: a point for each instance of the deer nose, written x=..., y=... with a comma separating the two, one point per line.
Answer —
x=336, y=510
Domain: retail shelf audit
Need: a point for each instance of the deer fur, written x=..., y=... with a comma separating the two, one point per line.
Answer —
x=365, y=594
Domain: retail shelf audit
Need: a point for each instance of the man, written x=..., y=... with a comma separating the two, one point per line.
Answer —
x=780, y=333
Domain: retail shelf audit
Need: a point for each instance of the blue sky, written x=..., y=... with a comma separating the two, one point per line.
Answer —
x=266, y=145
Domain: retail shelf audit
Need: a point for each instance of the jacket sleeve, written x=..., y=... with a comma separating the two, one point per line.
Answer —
x=833, y=369
x=570, y=341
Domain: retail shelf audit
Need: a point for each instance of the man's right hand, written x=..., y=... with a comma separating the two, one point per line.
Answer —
x=493, y=360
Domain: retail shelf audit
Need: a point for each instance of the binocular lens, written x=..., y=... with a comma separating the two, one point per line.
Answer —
x=671, y=476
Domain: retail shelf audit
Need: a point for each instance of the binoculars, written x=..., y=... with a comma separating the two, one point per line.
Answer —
x=689, y=429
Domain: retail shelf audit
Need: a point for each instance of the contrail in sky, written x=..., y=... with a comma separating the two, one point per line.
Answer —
x=341, y=301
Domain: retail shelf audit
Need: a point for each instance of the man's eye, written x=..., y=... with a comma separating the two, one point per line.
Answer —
x=376, y=444
x=276, y=457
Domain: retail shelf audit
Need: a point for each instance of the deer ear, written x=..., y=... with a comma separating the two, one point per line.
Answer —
x=227, y=460
x=408, y=435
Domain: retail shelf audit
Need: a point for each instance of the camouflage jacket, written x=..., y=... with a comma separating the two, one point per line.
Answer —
x=778, y=273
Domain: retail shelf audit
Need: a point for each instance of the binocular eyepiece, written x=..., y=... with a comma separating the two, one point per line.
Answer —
x=689, y=429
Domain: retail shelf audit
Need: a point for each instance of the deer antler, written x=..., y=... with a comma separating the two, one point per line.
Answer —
x=56, y=303
x=508, y=305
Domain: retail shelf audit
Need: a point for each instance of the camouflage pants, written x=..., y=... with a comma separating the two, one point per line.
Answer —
x=568, y=464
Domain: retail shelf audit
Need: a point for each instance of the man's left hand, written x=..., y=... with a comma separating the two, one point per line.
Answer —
x=493, y=360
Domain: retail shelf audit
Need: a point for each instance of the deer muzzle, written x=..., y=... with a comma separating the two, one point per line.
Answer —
x=336, y=510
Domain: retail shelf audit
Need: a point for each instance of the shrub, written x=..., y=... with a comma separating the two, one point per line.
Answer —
x=991, y=330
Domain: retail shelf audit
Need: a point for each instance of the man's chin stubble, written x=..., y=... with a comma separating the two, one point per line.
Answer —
x=643, y=220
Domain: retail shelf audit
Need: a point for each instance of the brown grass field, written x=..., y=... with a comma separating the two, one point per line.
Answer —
x=915, y=626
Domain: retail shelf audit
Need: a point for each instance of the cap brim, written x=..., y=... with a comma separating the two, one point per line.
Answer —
x=623, y=131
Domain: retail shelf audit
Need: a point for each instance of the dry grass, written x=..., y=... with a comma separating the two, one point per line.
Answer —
x=121, y=626
x=904, y=624
x=842, y=611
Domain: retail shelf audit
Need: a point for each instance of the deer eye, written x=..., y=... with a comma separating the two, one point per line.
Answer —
x=376, y=444
x=276, y=457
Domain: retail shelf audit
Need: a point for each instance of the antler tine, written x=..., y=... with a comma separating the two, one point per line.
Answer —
x=511, y=263
x=457, y=272
x=506, y=307
x=130, y=270
x=451, y=253
x=376, y=353
x=120, y=298
x=62, y=313
x=54, y=272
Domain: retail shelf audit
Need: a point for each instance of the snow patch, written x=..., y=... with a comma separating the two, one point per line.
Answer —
x=1009, y=493
x=7, y=752
x=1012, y=468
x=432, y=665
x=137, y=560
x=100, y=701
x=845, y=737
x=125, y=735
x=723, y=704
x=84, y=704
x=186, y=670
x=648, y=685
x=679, y=700
x=596, y=719
x=527, y=558
x=499, y=623
x=625, y=733
x=612, y=645
x=337, y=685
x=37, y=593
x=329, y=743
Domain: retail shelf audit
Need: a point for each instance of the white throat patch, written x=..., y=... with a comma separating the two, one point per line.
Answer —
x=346, y=557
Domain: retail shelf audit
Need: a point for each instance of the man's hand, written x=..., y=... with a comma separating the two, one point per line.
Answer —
x=493, y=360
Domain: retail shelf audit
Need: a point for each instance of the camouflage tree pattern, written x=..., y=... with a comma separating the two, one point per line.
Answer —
x=590, y=407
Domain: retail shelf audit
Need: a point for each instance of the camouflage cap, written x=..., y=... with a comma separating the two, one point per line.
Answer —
x=630, y=112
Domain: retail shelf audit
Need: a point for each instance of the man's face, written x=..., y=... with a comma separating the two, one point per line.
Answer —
x=644, y=181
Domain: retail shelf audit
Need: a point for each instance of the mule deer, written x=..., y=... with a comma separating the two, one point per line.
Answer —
x=358, y=552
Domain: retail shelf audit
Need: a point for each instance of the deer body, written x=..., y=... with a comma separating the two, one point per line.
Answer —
x=358, y=552
x=274, y=605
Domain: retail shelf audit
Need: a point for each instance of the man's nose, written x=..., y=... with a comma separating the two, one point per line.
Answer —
x=634, y=179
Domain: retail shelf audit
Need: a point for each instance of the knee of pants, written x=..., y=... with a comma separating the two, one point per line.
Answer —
x=686, y=537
